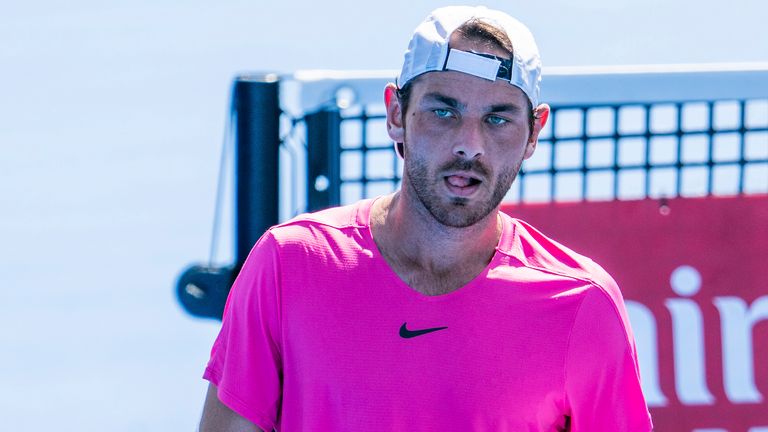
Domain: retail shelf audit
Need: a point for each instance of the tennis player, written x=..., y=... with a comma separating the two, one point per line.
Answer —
x=429, y=309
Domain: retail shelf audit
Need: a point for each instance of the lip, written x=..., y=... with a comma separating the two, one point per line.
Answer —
x=467, y=174
x=462, y=191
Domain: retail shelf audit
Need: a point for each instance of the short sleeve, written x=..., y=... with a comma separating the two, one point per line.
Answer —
x=246, y=362
x=602, y=376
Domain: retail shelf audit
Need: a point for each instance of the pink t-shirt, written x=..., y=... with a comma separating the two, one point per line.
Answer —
x=319, y=334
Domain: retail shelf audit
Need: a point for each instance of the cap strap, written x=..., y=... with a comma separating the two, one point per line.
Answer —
x=481, y=65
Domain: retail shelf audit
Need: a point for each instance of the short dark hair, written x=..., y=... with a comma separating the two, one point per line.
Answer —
x=484, y=33
x=477, y=31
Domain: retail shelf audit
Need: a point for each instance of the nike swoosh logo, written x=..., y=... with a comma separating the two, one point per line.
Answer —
x=407, y=334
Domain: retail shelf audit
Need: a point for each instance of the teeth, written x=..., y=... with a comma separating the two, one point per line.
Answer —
x=459, y=181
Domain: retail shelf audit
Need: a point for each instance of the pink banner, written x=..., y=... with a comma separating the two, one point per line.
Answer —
x=694, y=273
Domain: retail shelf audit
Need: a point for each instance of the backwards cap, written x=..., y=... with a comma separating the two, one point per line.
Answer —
x=429, y=51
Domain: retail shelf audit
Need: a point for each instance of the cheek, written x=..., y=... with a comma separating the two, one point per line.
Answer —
x=426, y=126
x=529, y=149
x=509, y=147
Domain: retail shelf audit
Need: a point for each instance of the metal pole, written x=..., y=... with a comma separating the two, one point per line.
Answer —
x=323, y=159
x=202, y=290
x=257, y=105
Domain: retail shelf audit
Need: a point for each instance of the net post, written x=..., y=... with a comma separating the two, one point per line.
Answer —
x=323, y=159
x=203, y=289
x=257, y=104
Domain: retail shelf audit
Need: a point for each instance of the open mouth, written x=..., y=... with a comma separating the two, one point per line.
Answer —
x=462, y=185
x=462, y=181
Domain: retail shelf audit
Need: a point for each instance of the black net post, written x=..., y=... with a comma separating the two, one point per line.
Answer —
x=257, y=126
x=202, y=289
x=323, y=159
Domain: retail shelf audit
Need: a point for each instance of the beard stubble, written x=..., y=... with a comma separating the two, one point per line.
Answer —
x=458, y=212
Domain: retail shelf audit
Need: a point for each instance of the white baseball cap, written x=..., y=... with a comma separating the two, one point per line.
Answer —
x=428, y=50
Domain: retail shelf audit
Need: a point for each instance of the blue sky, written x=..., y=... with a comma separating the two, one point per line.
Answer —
x=111, y=118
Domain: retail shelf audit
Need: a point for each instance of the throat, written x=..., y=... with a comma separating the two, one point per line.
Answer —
x=438, y=269
x=432, y=259
x=435, y=284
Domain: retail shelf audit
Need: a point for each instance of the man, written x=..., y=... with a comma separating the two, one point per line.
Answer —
x=429, y=309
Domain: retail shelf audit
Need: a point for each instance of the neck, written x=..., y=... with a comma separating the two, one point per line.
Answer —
x=411, y=238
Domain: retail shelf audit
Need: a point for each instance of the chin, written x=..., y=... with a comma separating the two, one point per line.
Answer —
x=458, y=214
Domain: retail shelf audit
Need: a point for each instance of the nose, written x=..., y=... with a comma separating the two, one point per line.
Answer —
x=468, y=142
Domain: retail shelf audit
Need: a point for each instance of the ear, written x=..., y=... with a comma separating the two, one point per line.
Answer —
x=541, y=115
x=395, y=127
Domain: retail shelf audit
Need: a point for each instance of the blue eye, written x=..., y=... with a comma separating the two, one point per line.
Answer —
x=442, y=113
x=496, y=120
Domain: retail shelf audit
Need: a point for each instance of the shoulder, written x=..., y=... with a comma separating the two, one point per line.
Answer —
x=533, y=249
x=305, y=227
x=340, y=232
x=601, y=301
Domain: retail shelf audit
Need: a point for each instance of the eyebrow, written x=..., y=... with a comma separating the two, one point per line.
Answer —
x=505, y=107
x=454, y=103
x=451, y=102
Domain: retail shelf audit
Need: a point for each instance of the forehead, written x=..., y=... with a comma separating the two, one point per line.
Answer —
x=468, y=90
